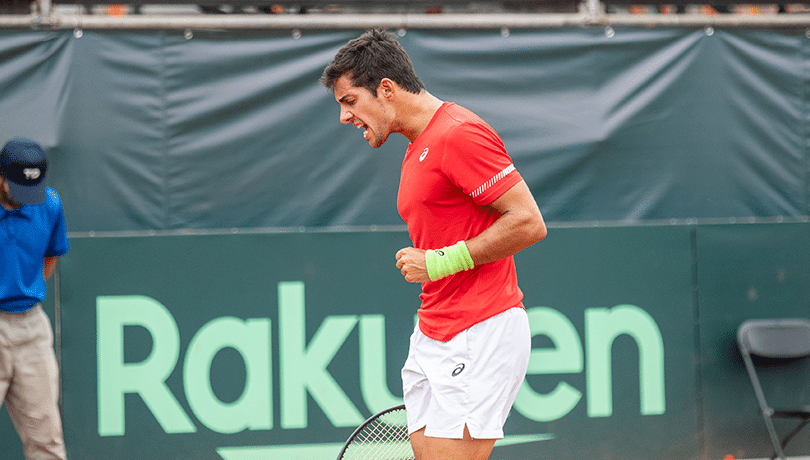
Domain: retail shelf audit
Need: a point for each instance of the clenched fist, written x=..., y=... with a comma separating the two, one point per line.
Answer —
x=411, y=262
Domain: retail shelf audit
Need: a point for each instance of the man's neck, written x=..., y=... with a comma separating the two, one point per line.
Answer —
x=417, y=111
x=8, y=207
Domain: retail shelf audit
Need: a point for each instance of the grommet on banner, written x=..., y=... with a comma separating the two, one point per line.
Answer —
x=709, y=31
x=77, y=32
x=401, y=32
x=505, y=31
x=188, y=34
x=296, y=33
x=609, y=32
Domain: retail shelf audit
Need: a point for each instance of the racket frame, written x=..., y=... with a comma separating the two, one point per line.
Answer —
x=365, y=424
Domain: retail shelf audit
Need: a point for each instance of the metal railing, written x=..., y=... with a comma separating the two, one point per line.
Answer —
x=591, y=13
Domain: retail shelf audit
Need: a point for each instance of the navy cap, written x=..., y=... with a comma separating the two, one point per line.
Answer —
x=23, y=163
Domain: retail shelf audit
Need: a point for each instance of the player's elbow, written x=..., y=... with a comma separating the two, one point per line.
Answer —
x=533, y=228
x=542, y=231
x=538, y=229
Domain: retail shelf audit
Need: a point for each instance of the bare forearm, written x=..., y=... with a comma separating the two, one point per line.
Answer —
x=519, y=226
x=510, y=234
x=48, y=267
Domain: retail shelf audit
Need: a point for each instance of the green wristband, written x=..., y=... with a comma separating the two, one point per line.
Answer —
x=448, y=260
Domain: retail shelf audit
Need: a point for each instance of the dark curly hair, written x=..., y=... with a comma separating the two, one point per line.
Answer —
x=368, y=59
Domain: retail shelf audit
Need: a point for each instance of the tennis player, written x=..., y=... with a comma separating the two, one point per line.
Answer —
x=468, y=212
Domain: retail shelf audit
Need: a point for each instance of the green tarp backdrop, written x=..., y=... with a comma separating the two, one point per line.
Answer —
x=230, y=291
x=232, y=129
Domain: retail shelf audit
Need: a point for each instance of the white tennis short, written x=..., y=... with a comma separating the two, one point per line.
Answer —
x=471, y=380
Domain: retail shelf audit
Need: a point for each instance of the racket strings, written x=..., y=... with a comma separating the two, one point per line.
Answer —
x=382, y=439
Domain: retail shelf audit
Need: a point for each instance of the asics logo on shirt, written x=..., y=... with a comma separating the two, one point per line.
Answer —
x=423, y=155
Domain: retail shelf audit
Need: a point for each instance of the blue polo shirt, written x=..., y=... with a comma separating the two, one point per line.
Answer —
x=27, y=236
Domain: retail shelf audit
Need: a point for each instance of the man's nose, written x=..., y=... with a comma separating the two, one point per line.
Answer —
x=345, y=116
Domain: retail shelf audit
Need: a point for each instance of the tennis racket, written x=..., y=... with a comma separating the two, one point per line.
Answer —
x=384, y=436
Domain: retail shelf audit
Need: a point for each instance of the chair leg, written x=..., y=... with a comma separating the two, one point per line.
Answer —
x=777, y=446
x=795, y=431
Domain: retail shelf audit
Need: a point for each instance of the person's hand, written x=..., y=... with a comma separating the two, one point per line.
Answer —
x=411, y=262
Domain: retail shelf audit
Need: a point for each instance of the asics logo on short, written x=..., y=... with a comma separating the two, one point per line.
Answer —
x=423, y=155
x=458, y=370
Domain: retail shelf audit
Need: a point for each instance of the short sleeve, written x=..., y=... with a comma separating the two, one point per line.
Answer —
x=58, y=244
x=477, y=162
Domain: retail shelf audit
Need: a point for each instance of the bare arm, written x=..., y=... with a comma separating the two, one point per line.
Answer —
x=48, y=267
x=519, y=226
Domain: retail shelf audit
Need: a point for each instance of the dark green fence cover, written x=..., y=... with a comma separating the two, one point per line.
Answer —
x=154, y=131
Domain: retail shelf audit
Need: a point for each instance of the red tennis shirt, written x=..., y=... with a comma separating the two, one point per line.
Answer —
x=450, y=175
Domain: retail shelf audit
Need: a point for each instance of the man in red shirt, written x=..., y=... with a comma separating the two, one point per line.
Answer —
x=468, y=212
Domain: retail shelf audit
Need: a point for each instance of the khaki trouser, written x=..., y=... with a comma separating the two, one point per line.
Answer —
x=29, y=382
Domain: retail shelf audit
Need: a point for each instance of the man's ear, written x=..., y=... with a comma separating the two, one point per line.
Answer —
x=387, y=88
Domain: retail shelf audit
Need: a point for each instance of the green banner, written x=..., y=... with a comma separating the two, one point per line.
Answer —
x=277, y=345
